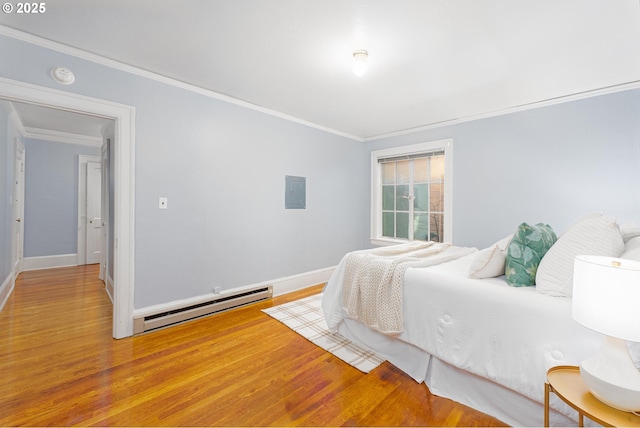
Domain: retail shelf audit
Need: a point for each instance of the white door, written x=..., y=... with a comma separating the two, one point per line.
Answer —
x=94, y=212
x=104, y=206
x=18, y=208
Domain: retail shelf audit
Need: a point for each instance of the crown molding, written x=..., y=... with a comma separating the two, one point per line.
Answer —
x=529, y=106
x=79, y=53
x=62, y=137
x=47, y=134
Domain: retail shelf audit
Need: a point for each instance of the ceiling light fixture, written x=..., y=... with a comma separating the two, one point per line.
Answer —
x=360, y=62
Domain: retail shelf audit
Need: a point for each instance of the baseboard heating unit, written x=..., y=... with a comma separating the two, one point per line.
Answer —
x=162, y=319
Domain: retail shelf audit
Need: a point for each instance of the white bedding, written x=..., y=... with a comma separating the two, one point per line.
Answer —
x=373, y=280
x=510, y=336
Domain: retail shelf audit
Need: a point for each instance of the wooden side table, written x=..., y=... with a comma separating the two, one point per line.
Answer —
x=566, y=383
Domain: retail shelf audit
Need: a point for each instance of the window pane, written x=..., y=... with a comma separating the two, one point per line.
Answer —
x=421, y=227
x=437, y=168
x=402, y=169
x=437, y=227
x=388, y=197
x=421, y=170
x=388, y=173
x=402, y=225
x=412, y=195
x=421, y=194
x=437, y=197
x=388, y=224
x=402, y=197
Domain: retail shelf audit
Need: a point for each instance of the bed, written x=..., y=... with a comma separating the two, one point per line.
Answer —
x=480, y=342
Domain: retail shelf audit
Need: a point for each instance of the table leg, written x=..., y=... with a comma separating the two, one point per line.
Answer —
x=547, y=387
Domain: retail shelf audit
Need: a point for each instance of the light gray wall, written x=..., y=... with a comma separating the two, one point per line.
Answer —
x=222, y=168
x=51, y=197
x=551, y=164
x=223, y=173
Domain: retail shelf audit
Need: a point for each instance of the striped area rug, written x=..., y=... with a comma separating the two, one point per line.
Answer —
x=305, y=317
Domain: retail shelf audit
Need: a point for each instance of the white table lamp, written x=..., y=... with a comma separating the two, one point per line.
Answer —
x=606, y=298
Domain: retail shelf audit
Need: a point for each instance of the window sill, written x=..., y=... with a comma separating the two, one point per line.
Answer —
x=385, y=242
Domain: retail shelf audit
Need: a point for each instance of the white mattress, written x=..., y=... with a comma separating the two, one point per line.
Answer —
x=510, y=336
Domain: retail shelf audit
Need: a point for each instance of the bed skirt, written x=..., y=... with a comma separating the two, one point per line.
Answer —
x=459, y=385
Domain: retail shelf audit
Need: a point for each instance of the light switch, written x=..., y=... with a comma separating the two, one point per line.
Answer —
x=162, y=204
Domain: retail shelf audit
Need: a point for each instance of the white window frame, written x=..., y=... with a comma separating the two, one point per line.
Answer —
x=376, y=187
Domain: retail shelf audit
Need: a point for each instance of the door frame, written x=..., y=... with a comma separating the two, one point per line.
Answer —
x=82, y=205
x=18, y=208
x=124, y=175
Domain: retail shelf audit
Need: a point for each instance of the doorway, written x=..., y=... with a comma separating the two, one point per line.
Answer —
x=123, y=147
x=90, y=218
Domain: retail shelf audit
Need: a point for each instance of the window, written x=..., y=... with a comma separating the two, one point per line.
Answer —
x=411, y=193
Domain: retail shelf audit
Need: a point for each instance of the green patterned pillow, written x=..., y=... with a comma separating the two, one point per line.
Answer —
x=526, y=249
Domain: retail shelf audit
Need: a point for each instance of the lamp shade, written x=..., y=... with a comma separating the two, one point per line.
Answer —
x=606, y=292
x=606, y=296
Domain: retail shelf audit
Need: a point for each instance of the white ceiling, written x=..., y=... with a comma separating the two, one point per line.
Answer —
x=430, y=61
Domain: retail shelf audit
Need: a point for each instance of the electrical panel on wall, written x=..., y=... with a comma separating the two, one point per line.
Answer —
x=295, y=197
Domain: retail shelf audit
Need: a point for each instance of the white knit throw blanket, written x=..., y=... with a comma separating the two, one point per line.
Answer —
x=372, y=289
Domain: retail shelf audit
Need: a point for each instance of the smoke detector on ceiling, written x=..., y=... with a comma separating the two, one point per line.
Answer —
x=62, y=75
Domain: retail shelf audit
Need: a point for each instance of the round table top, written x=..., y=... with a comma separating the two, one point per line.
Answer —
x=567, y=384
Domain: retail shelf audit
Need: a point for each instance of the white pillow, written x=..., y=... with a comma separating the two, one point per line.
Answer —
x=632, y=249
x=489, y=262
x=593, y=234
x=634, y=351
x=629, y=231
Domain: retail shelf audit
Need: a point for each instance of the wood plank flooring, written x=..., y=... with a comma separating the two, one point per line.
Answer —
x=60, y=366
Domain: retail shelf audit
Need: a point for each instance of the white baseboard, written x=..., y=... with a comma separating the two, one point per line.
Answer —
x=290, y=283
x=47, y=262
x=303, y=280
x=6, y=288
x=280, y=286
x=108, y=285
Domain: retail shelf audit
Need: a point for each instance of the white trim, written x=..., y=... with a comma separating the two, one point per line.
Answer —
x=17, y=255
x=291, y=283
x=6, y=289
x=383, y=242
x=280, y=286
x=376, y=237
x=82, y=205
x=14, y=118
x=68, y=50
x=104, y=208
x=48, y=262
x=304, y=280
x=124, y=164
x=108, y=286
x=62, y=137
x=529, y=106
x=78, y=53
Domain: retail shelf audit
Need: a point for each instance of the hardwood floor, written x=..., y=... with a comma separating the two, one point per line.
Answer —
x=59, y=366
